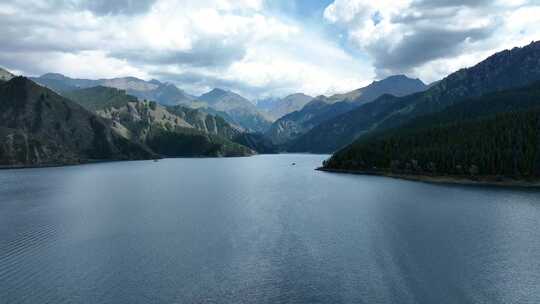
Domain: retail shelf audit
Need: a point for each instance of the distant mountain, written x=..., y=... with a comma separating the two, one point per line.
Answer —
x=163, y=93
x=297, y=123
x=397, y=85
x=5, y=75
x=276, y=108
x=170, y=131
x=99, y=98
x=493, y=135
x=504, y=70
x=39, y=127
x=239, y=110
x=257, y=142
x=293, y=125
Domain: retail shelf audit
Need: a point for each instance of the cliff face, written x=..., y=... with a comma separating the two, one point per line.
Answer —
x=39, y=127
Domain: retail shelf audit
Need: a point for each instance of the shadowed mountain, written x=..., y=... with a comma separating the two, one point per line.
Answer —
x=504, y=70
x=321, y=109
x=397, y=85
x=493, y=135
x=39, y=127
x=170, y=131
x=276, y=108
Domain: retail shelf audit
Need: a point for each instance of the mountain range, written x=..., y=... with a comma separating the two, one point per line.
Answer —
x=71, y=120
x=170, y=131
x=231, y=106
x=238, y=109
x=494, y=135
x=39, y=127
x=292, y=126
x=504, y=70
x=154, y=90
x=479, y=123
x=276, y=108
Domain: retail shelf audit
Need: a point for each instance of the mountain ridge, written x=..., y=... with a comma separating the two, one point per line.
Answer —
x=40, y=127
x=503, y=70
x=294, y=125
x=494, y=136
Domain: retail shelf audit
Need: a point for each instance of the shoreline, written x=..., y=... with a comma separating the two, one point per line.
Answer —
x=90, y=162
x=449, y=180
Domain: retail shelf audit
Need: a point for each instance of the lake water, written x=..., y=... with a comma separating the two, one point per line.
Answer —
x=259, y=230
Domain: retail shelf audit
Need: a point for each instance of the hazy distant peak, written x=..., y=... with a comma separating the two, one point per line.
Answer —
x=53, y=76
x=217, y=94
x=298, y=95
x=218, y=91
x=398, y=85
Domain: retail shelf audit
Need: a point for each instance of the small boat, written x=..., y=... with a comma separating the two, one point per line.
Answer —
x=293, y=164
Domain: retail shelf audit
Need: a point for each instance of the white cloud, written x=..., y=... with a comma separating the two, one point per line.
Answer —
x=431, y=39
x=243, y=46
x=198, y=44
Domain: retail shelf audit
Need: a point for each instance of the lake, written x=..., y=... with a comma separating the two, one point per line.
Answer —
x=260, y=230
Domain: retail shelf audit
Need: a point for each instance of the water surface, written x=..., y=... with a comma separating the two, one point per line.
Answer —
x=259, y=230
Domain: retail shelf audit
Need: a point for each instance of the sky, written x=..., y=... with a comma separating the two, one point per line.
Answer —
x=260, y=48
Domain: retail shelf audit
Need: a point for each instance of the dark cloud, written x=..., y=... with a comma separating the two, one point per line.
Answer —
x=99, y=7
x=203, y=53
x=427, y=30
x=118, y=7
x=424, y=45
x=199, y=82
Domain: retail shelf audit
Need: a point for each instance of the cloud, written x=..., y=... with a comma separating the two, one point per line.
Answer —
x=197, y=44
x=409, y=36
x=116, y=7
x=252, y=47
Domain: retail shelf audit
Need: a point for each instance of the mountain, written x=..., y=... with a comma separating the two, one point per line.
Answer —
x=276, y=108
x=504, y=70
x=293, y=125
x=39, y=127
x=239, y=110
x=164, y=93
x=99, y=98
x=397, y=85
x=5, y=75
x=257, y=142
x=492, y=135
x=170, y=131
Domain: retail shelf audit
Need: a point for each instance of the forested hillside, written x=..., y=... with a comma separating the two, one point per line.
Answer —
x=494, y=135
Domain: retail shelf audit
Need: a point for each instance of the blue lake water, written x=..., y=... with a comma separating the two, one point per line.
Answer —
x=259, y=230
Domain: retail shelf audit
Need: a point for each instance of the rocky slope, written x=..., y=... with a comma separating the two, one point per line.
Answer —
x=170, y=131
x=39, y=127
x=238, y=110
x=504, y=70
